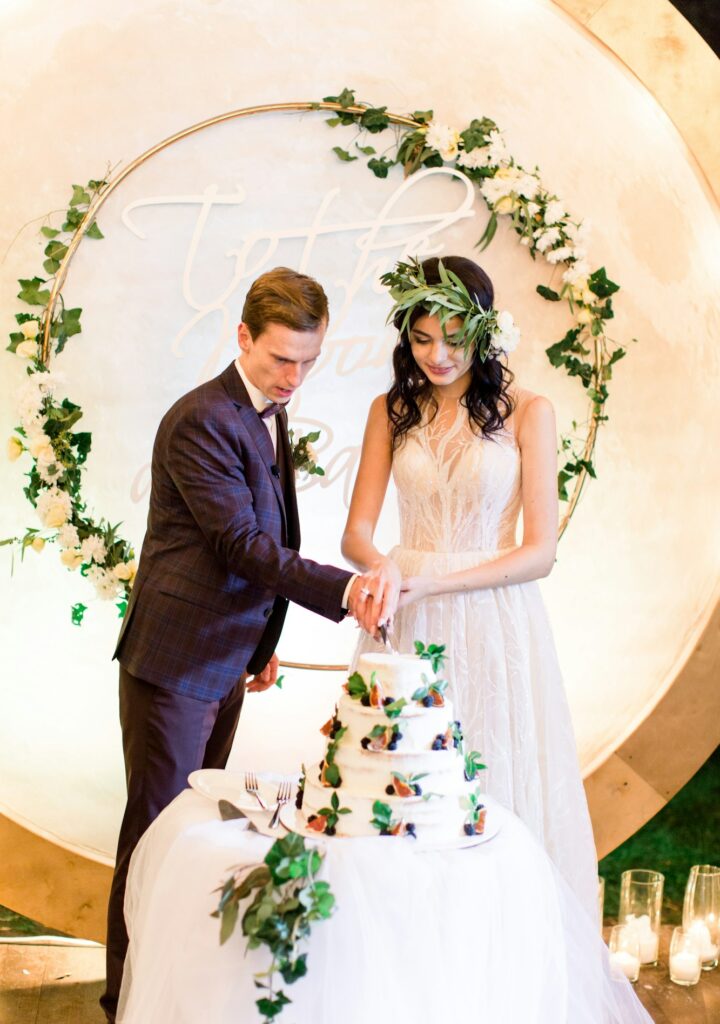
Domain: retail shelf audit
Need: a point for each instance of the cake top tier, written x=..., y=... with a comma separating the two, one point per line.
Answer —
x=398, y=675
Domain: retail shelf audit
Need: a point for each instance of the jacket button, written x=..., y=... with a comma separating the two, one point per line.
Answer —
x=266, y=612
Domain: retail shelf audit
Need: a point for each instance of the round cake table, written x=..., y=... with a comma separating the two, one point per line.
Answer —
x=488, y=933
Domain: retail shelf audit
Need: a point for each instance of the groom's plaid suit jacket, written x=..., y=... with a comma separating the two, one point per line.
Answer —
x=219, y=561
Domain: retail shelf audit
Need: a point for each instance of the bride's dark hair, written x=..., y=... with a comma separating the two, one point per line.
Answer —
x=487, y=399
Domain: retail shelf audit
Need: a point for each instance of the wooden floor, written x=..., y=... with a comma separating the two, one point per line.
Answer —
x=62, y=985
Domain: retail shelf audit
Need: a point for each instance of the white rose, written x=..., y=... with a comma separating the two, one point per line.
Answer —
x=93, y=549
x=125, y=570
x=37, y=544
x=68, y=536
x=506, y=205
x=38, y=444
x=26, y=349
x=71, y=558
x=54, y=507
x=584, y=316
x=30, y=329
x=14, y=448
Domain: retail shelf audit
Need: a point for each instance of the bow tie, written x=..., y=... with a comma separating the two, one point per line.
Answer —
x=270, y=410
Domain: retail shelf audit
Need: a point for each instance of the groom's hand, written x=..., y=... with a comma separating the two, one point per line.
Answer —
x=265, y=679
x=362, y=606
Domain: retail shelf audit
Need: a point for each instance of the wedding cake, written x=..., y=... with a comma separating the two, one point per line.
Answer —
x=394, y=762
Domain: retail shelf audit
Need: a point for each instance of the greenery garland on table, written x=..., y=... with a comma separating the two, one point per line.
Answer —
x=47, y=418
x=287, y=899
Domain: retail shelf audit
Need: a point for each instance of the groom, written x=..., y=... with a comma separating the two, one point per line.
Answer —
x=219, y=564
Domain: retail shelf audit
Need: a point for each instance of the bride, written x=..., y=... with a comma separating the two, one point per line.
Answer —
x=469, y=450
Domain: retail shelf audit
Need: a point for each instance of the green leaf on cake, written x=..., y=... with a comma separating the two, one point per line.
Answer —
x=395, y=709
x=356, y=686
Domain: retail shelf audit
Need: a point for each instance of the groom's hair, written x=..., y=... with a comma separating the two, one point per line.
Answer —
x=282, y=296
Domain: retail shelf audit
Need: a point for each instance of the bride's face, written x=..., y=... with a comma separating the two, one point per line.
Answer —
x=442, y=360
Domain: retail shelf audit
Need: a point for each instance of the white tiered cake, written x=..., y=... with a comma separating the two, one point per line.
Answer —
x=394, y=763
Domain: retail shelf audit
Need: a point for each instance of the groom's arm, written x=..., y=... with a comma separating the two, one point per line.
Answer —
x=204, y=466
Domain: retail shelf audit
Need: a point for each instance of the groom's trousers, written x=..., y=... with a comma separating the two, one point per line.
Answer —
x=165, y=737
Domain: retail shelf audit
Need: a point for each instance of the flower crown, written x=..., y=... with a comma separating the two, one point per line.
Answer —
x=491, y=332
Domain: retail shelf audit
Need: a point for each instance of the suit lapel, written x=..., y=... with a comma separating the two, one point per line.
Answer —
x=256, y=429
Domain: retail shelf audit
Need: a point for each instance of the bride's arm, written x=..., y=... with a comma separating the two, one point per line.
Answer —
x=535, y=556
x=365, y=506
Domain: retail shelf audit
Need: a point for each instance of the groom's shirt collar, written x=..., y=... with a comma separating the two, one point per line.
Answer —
x=258, y=399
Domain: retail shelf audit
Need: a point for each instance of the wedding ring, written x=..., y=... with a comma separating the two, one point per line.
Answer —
x=365, y=592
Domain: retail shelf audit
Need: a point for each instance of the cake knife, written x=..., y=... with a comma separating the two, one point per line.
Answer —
x=386, y=639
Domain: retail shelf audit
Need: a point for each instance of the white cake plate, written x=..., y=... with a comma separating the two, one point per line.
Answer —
x=294, y=821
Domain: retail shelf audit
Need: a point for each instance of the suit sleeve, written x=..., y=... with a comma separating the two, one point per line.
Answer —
x=207, y=470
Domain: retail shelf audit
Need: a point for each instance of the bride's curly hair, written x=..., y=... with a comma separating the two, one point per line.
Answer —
x=487, y=397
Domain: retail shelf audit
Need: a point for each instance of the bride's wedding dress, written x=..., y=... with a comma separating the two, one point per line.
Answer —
x=459, y=499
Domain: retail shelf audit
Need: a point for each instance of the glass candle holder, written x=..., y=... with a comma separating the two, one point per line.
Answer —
x=601, y=901
x=624, y=952
x=641, y=894
x=685, y=961
x=701, y=912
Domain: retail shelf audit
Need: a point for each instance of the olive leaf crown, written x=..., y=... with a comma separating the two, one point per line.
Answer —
x=447, y=299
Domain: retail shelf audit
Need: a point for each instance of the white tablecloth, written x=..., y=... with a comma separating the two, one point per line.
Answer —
x=488, y=934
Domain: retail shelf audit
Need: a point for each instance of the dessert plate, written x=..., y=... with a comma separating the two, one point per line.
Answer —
x=294, y=821
x=221, y=784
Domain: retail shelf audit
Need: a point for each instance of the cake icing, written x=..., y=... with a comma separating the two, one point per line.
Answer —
x=395, y=763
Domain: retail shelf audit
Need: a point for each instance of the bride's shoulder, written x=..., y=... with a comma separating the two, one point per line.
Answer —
x=529, y=409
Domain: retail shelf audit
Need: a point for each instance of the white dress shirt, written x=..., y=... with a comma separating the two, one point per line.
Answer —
x=260, y=402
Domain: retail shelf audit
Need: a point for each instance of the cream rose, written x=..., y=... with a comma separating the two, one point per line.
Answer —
x=125, y=570
x=584, y=316
x=30, y=329
x=26, y=349
x=14, y=448
x=71, y=558
x=54, y=507
x=38, y=544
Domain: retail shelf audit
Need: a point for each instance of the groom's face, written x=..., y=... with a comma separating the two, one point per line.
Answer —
x=278, y=359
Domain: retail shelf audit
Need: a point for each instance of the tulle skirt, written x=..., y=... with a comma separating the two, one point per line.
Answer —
x=487, y=934
x=507, y=689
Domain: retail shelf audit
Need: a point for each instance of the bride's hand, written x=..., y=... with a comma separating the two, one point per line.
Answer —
x=415, y=588
x=385, y=579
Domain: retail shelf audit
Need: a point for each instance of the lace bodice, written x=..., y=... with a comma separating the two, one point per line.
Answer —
x=457, y=491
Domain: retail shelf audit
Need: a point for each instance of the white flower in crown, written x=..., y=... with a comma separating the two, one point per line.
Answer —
x=506, y=336
x=93, y=549
x=68, y=536
x=503, y=190
x=443, y=139
x=40, y=447
x=54, y=507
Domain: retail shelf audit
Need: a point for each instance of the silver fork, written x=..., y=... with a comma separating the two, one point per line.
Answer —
x=251, y=787
x=283, y=797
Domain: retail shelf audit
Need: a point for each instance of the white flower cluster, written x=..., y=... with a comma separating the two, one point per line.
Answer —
x=108, y=583
x=506, y=336
x=30, y=399
x=443, y=139
x=54, y=507
x=491, y=155
x=507, y=187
